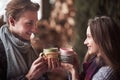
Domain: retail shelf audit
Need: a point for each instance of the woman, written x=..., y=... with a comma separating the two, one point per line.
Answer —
x=18, y=60
x=102, y=38
x=104, y=43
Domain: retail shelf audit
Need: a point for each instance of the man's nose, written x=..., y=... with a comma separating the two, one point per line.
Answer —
x=34, y=29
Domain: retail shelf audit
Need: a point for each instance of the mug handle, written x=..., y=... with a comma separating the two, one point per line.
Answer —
x=42, y=54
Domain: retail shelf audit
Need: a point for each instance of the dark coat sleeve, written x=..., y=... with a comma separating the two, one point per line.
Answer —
x=3, y=65
x=3, y=62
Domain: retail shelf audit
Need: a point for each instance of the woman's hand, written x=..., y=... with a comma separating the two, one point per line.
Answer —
x=38, y=68
x=67, y=66
x=72, y=68
x=76, y=61
x=73, y=71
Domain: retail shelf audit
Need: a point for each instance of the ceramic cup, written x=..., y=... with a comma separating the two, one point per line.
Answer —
x=50, y=53
x=67, y=55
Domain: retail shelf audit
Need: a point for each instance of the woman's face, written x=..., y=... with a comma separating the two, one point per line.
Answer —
x=25, y=25
x=90, y=43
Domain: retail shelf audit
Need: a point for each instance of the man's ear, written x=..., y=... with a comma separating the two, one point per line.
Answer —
x=11, y=21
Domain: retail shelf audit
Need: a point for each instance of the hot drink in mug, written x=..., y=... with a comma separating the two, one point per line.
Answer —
x=50, y=53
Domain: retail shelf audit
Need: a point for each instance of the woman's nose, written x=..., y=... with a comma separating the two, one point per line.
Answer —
x=85, y=42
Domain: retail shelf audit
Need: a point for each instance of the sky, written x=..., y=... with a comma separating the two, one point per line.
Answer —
x=2, y=6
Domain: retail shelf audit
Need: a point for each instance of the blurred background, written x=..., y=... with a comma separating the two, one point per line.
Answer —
x=63, y=23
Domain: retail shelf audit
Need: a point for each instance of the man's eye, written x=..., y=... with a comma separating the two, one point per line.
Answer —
x=29, y=23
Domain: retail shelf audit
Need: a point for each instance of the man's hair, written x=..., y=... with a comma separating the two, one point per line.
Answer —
x=16, y=8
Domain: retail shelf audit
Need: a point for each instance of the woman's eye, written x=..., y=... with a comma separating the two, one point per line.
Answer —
x=88, y=36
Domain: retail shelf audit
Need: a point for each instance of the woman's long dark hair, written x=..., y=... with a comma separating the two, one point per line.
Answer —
x=106, y=33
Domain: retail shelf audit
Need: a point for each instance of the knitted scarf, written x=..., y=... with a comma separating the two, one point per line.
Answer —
x=20, y=54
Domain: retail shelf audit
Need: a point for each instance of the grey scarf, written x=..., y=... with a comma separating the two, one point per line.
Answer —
x=20, y=55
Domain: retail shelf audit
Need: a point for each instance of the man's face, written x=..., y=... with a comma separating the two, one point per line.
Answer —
x=25, y=25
